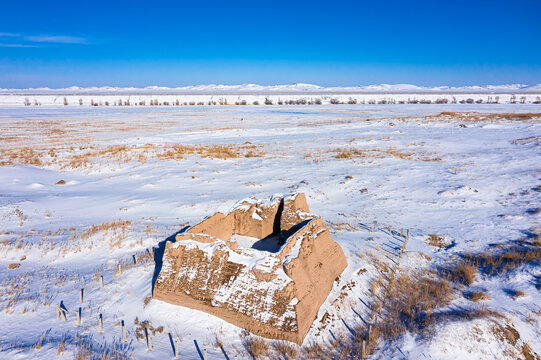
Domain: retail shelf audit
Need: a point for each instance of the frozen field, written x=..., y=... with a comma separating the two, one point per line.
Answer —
x=84, y=189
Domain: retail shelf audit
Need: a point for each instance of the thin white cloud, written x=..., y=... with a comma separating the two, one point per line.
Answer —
x=56, y=39
x=18, y=45
x=3, y=34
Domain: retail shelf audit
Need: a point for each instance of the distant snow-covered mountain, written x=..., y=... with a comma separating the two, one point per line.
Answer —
x=294, y=88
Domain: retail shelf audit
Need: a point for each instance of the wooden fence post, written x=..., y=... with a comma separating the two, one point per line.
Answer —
x=79, y=317
x=63, y=312
x=101, y=282
x=175, y=349
x=124, y=339
x=205, y=354
x=148, y=339
x=58, y=311
x=81, y=296
x=101, y=323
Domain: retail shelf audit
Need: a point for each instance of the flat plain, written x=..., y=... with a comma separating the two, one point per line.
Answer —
x=93, y=192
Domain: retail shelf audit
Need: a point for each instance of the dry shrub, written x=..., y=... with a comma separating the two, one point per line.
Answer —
x=508, y=334
x=516, y=293
x=530, y=140
x=463, y=273
x=313, y=351
x=413, y=303
x=39, y=344
x=478, y=295
x=285, y=350
x=83, y=352
x=23, y=156
x=528, y=353
x=256, y=347
x=142, y=325
x=14, y=266
x=61, y=347
x=438, y=241
x=506, y=259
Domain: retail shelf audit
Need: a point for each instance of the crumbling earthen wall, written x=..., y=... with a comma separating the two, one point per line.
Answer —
x=279, y=295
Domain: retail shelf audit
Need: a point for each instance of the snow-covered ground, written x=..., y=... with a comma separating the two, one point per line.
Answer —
x=134, y=176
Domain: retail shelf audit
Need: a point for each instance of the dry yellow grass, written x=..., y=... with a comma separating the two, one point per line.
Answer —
x=475, y=117
x=352, y=153
x=61, y=347
x=478, y=295
x=285, y=350
x=506, y=259
x=142, y=325
x=86, y=157
x=517, y=293
x=463, y=272
x=413, y=303
x=437, y=241
x=256, y=347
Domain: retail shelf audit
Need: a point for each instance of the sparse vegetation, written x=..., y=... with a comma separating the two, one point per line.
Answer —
x=464, y=273
x=352, y=153
x=516, y=293
x=478, y=295
x=438, y=241
x=256, y=347
x=142, y=325
x=87, y=156
x=285, y=350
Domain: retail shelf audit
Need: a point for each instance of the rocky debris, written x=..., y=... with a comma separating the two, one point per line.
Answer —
x=264, y=266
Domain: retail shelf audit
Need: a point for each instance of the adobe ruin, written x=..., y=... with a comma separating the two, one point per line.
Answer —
x=265, y=266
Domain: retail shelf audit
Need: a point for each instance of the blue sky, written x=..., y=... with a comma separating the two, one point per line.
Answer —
x=131, y=43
